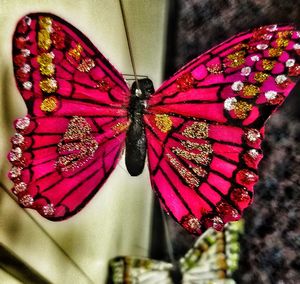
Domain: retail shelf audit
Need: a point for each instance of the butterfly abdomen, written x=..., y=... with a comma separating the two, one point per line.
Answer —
x=135, y=138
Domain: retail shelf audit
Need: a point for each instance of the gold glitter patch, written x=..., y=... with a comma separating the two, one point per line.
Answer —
x=77, y=146
x=48, y=85
x=199, y=171
x=282, y=42
x=250, y=91
x=204, y=147
x=237, y=58
x=199, y=158
x=260, y=77
x=45, y=22
x=190, y=179
x=44, y=59
x=49, y=104
x=275, y=52
x=268, y=64
x=86, y=65
x=196, y=130
x=47, y=70
x=103, y=85
x=241, y=109
x=214, y=69
x=163, y=122
x=44, y=40
x=241, y=46
x=120, y=127
x=285, y=34
x=76, y=52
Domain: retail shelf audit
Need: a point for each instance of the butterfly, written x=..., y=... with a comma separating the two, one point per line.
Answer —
x=201, y=130
x=213, y=259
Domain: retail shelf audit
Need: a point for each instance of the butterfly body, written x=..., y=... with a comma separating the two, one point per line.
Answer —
x=135, y=137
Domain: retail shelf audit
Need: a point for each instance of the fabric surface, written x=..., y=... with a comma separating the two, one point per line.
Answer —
x=271, y=244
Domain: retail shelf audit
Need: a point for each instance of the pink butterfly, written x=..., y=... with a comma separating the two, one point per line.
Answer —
x=202, y=129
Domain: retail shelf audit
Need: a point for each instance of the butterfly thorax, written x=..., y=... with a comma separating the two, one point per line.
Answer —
x=135, y=139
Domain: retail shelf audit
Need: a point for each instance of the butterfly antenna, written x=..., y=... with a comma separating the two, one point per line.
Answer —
x=137, y=75
x=129, y=44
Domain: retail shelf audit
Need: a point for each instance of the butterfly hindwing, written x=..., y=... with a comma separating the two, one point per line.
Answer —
x=204, y=126
x=72, y=137
x=214, y=257
x=139, y=270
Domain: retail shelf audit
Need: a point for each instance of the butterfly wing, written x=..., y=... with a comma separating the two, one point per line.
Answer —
x=139, y=270
x=204, y=126
x=72, y=137
x=214, y=257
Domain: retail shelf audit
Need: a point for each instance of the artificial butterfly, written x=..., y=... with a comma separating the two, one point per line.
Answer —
x=202, y=129
x=213, y=259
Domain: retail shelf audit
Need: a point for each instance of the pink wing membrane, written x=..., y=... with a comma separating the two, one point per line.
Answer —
x=74, y=133
x=204, y=126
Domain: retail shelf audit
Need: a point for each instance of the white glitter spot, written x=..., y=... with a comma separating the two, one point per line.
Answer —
x=253, y=153
x=262, y=46
x=52, y=83
x=26, y=200
x=270, y=95
x=15, y=154
x=20, y=187
x=237, y=86
x=290, y=62
x=246, y=71
x=27, y=20
x=296, y=46
x=217, y=223
x=255, y=58
x=272, y=28
x=26, y=68
x=48, y=210
x=267, y=36
x=25, y=52
x=22, y=123
x=15, y=172
x=17, y=139
x=252, y=135
x=280, y=79
x=27, y=85
x=229, y=103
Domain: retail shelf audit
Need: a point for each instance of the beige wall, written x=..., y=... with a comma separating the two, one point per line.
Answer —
x=117, y=220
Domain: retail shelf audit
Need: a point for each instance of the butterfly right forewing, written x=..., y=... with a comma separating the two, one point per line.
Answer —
x=204, y=125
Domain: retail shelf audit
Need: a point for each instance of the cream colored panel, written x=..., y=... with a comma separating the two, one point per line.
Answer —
x=7, y=279
x=117, y=220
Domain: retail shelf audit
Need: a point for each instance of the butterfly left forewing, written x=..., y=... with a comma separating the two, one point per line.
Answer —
x=72, y=137
x=204, y=126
